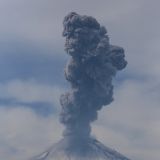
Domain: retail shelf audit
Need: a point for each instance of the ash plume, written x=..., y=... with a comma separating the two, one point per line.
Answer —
x=93, y=64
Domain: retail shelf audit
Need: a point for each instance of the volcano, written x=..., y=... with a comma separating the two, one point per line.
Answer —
x=92, y=150
x=94, y=63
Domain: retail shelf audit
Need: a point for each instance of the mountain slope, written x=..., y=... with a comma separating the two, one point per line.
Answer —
x=90, y=150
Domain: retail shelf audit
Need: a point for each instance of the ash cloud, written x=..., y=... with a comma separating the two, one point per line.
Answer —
x=93, y=64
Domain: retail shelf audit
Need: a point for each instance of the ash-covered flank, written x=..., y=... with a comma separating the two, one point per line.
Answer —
x=93, y=64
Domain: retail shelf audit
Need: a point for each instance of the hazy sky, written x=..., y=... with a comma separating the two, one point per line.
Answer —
x=32, y=59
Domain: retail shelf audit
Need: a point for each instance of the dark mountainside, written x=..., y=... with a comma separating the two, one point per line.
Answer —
x=93, y=64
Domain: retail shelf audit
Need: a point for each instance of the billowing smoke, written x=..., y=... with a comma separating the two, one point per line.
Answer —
x=93, y=64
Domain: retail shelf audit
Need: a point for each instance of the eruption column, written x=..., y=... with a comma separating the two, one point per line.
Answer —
x=93, y=64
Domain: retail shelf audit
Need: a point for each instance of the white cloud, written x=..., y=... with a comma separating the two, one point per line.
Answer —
x=24, y=134
x=130, y=124
x=31, y=91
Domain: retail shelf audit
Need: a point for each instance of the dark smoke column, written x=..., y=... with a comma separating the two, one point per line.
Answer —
x=93, y=64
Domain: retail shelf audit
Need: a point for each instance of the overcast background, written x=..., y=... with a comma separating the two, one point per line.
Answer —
x=32, y=59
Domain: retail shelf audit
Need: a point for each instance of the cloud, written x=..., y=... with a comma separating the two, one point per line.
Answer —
x=30, y=91
x=130, y=123
x=42, y=98
x=24, y=133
